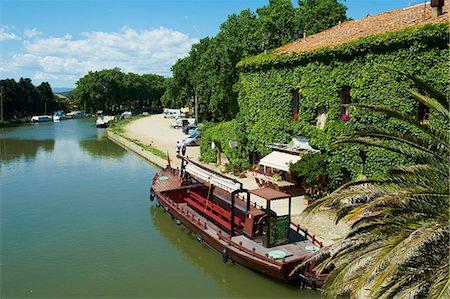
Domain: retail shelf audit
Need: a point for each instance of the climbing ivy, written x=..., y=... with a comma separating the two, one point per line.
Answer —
x=265, y=94
x=228, y=136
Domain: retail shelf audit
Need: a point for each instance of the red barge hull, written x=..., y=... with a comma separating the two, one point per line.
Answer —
x=178, y=199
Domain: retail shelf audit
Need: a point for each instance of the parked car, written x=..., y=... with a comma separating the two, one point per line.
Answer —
x=194, y=139
x=171, y=113
x=126, y=115
x=189, y=129
x=181, y=122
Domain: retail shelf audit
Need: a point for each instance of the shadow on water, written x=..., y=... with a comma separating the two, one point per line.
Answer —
x=237, y=281
x=13, y=149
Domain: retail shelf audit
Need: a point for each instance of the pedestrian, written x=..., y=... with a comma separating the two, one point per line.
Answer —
x=183, y=149
x=177, y=148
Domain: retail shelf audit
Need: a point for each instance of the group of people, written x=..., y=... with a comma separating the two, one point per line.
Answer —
x=181, y=147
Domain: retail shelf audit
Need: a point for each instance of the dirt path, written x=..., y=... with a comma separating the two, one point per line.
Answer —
x=155, y=130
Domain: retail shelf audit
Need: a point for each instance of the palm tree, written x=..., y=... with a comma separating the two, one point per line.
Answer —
x=399, y=243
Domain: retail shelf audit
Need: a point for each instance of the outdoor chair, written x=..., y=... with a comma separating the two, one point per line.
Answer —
x=259, y=183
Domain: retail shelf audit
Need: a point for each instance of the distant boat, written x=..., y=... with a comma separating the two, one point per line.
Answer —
x=103, y=121
x=41, y=118
x=75, y=115
x=58, y=115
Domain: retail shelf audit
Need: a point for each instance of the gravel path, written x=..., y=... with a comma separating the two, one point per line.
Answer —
x=155, y=130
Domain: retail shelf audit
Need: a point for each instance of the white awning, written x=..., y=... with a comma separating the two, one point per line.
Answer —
x=279, y=160
x=212, y=178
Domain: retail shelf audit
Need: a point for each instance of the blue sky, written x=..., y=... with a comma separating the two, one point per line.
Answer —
x=59, y=41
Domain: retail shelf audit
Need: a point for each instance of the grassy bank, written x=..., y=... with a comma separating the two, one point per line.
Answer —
x=118, y=126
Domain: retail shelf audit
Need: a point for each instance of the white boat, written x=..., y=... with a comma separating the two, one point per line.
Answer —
x=75, y=115
x=41, y=118
x=103, y=121
x=58, y=115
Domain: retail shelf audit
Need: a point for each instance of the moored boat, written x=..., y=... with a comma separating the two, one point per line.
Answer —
x=58, y=115
x=103, y=121
x=220, y=212
x=75, y=115
x=41, y=118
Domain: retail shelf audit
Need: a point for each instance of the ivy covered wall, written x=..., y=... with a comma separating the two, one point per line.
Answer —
x=265, y=95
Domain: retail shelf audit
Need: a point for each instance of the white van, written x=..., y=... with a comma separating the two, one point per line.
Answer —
x=182, y=121
x=171, y=113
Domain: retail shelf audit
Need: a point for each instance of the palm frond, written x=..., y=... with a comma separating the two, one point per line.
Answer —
x=440, y=97
x=412, y=153
x=439, y=135
x=441, y=285
x=433, y=148
x=430, y=102
x=399, y=242
x=417, y=235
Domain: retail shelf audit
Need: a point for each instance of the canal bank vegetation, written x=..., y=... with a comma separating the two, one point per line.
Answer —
x=117, y=127
x=22, y=99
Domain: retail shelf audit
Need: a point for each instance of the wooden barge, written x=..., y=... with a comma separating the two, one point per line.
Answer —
x=220, y=212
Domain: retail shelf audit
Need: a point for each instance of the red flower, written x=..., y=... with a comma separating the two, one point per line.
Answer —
x=345, y=117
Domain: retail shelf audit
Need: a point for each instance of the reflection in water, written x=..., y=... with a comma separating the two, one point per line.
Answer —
x=236, y=280
x=101, y=147
x=14, y=149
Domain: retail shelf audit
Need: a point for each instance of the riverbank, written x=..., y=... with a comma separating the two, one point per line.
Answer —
x=154, y=131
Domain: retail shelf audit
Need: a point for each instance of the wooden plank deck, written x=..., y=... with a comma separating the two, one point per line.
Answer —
x=171, y=183
x=294, y=251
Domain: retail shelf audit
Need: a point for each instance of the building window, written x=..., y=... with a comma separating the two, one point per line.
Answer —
x=422, y=113
x=345, y=100
x=295, y=104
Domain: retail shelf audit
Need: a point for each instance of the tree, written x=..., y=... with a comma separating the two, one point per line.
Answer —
x=114, y=90
x=277, y=23
x=22, y=98
x=399, y=245
x=209, y=72
x=315, y=16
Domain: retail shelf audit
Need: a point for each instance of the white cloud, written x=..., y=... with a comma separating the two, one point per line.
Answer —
x=62, y=60
x=30, y=33
x=5, y=35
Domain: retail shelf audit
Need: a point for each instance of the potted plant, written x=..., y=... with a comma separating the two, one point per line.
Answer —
x=277, y=177
x=307, y=199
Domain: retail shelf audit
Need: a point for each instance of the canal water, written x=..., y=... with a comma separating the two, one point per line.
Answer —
x=76, y=222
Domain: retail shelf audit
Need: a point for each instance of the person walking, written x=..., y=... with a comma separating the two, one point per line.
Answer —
x=183, y=149
x=177, y=148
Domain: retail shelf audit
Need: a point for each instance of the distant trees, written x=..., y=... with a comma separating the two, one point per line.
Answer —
x=22, y=98
x=208, y=73
x=114, y=90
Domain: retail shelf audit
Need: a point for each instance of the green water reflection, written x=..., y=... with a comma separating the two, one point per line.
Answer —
x=13, y=149
x=235, y=280
x=101, y=148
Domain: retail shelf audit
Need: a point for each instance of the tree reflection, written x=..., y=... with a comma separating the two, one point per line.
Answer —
x=13, y=149
x=102, y=147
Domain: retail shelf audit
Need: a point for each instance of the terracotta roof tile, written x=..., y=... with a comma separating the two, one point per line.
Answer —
x=414, y=16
